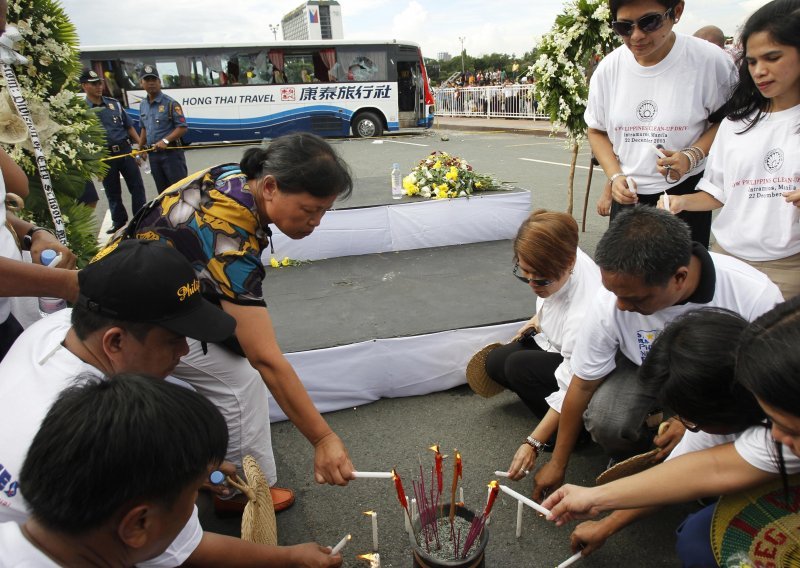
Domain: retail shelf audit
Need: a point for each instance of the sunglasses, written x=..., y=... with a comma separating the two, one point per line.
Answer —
x=646, y=24
x=542, y=282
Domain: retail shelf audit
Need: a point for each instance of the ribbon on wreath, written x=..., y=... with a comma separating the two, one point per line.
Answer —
x=8, y=58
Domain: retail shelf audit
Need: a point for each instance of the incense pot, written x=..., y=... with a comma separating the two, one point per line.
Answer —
x=476, y=559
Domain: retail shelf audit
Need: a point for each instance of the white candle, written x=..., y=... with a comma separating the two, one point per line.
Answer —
x=519, y=518
x=461, y=495
x=340, y=545
x=374, y=531
x=405, y=516
x=372, y=475
x=570, y=561
x=501, y=473
x=529, y=502
x=414, y=511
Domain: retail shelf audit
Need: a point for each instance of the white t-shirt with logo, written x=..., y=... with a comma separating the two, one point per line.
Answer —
x=749, y=173
x=16, y=551
x=32, y=375
x=606, y=329
x=667, y=103
x=561, y=316
x=8, y=246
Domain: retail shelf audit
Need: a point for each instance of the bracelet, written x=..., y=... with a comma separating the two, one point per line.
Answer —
x=692, y=160
x=615, y=176
x=537, y=446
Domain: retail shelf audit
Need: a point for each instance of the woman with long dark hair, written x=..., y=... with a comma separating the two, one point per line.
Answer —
x=753, y=170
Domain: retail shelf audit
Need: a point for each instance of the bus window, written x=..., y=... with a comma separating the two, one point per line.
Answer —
x=298, y=67
x=362, y=64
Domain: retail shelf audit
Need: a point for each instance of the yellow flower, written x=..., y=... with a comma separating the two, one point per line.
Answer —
x=478, y=185
x=452, y=174
x=441, y=192
x=273, y=262
x=286, y=261
x=437, y=165
x=409, y=186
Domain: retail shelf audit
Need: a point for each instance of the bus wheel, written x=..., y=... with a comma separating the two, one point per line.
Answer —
x=367, y=125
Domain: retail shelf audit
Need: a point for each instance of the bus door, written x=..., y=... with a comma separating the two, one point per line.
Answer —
x=410, y=93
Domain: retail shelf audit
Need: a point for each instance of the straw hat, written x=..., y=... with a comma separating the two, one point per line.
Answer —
x=748, y=524
x=633, y=465
x=258, y=518
x=477, y=377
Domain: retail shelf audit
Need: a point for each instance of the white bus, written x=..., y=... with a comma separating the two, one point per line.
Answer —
x=247, y=92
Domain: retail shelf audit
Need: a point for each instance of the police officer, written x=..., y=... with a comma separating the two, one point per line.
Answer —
x=163, y=124
x=119, y=135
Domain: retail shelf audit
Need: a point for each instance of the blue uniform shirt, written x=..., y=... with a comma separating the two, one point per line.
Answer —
x=160, y=117
x=114, y=119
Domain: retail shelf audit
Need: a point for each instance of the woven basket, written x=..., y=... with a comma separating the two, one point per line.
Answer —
x=477, y=377
x=258, y=519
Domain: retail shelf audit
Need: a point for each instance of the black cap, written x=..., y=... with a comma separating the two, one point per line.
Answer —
x=89, y=76
x=149, y=71
x=151, y=282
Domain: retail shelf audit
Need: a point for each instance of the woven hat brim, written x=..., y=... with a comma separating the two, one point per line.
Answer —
x=258, y=519
x=630, y=466
x=477, y=377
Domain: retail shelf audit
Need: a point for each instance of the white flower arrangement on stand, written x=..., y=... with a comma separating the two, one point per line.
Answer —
x=580, y=36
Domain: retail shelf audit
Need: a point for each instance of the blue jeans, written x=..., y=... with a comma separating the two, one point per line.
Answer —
x=694, y=540
x=133, y=179
x=168, y=167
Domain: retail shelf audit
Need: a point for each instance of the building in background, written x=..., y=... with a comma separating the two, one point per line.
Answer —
x=443, y=56
x=314, y=19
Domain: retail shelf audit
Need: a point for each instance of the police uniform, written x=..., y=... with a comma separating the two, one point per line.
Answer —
x=160, y=117
x=116, y=123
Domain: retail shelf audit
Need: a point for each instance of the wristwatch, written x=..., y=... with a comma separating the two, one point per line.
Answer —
x=27, y=239
x=537, y=446
x=165, y=141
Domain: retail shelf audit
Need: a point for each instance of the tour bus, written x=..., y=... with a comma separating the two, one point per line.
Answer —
x=247, y=92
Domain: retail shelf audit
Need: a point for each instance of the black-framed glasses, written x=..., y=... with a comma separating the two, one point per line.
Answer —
x=689, y=425
x=647, y=23
x=542, y=282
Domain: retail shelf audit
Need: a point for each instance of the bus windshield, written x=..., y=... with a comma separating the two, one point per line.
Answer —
x=249, y=92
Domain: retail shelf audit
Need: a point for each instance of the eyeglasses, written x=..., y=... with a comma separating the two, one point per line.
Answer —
x=691, y=426
x=542, y=282
x=648, y=23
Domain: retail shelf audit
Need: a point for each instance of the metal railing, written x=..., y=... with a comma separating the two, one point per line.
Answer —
x=510, y=101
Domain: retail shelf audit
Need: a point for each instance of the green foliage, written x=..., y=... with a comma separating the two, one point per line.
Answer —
x=72, y=138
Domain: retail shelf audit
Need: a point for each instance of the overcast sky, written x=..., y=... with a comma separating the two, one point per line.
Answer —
x=510, y=26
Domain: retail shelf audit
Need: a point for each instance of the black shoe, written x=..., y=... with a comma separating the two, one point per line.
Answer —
x=113, y=230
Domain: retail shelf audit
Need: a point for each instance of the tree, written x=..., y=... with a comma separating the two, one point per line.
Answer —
x=71, y=135
x=567, y=54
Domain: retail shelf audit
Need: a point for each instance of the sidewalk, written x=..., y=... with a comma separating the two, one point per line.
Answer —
x=482, y=124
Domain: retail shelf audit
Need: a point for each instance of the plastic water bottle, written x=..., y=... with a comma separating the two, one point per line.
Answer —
x=397, y=182
x=144, y=165
x=47, y=305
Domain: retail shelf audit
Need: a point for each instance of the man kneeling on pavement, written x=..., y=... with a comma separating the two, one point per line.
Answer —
x=651, y=272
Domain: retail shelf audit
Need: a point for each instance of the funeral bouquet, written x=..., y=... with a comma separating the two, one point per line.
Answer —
x=442, y=176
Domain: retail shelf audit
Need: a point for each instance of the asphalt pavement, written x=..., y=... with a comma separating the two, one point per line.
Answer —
x=345, y=300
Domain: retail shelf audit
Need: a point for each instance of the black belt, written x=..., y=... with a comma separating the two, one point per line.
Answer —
x=121, y=148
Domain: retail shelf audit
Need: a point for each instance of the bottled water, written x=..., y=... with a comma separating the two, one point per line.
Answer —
x=397, y=182
x=48, y=306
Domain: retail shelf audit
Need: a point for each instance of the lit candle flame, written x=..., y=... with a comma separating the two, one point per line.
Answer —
x=374, y=559
x=439, y=479
x=369, y=512
x=495, y=489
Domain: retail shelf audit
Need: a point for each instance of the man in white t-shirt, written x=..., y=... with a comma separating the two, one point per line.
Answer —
x=136, y=306
x=118, y=508
x=651, y=273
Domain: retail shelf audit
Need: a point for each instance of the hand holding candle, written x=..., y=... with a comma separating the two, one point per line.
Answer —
x=340, y=545
x=571, y=560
